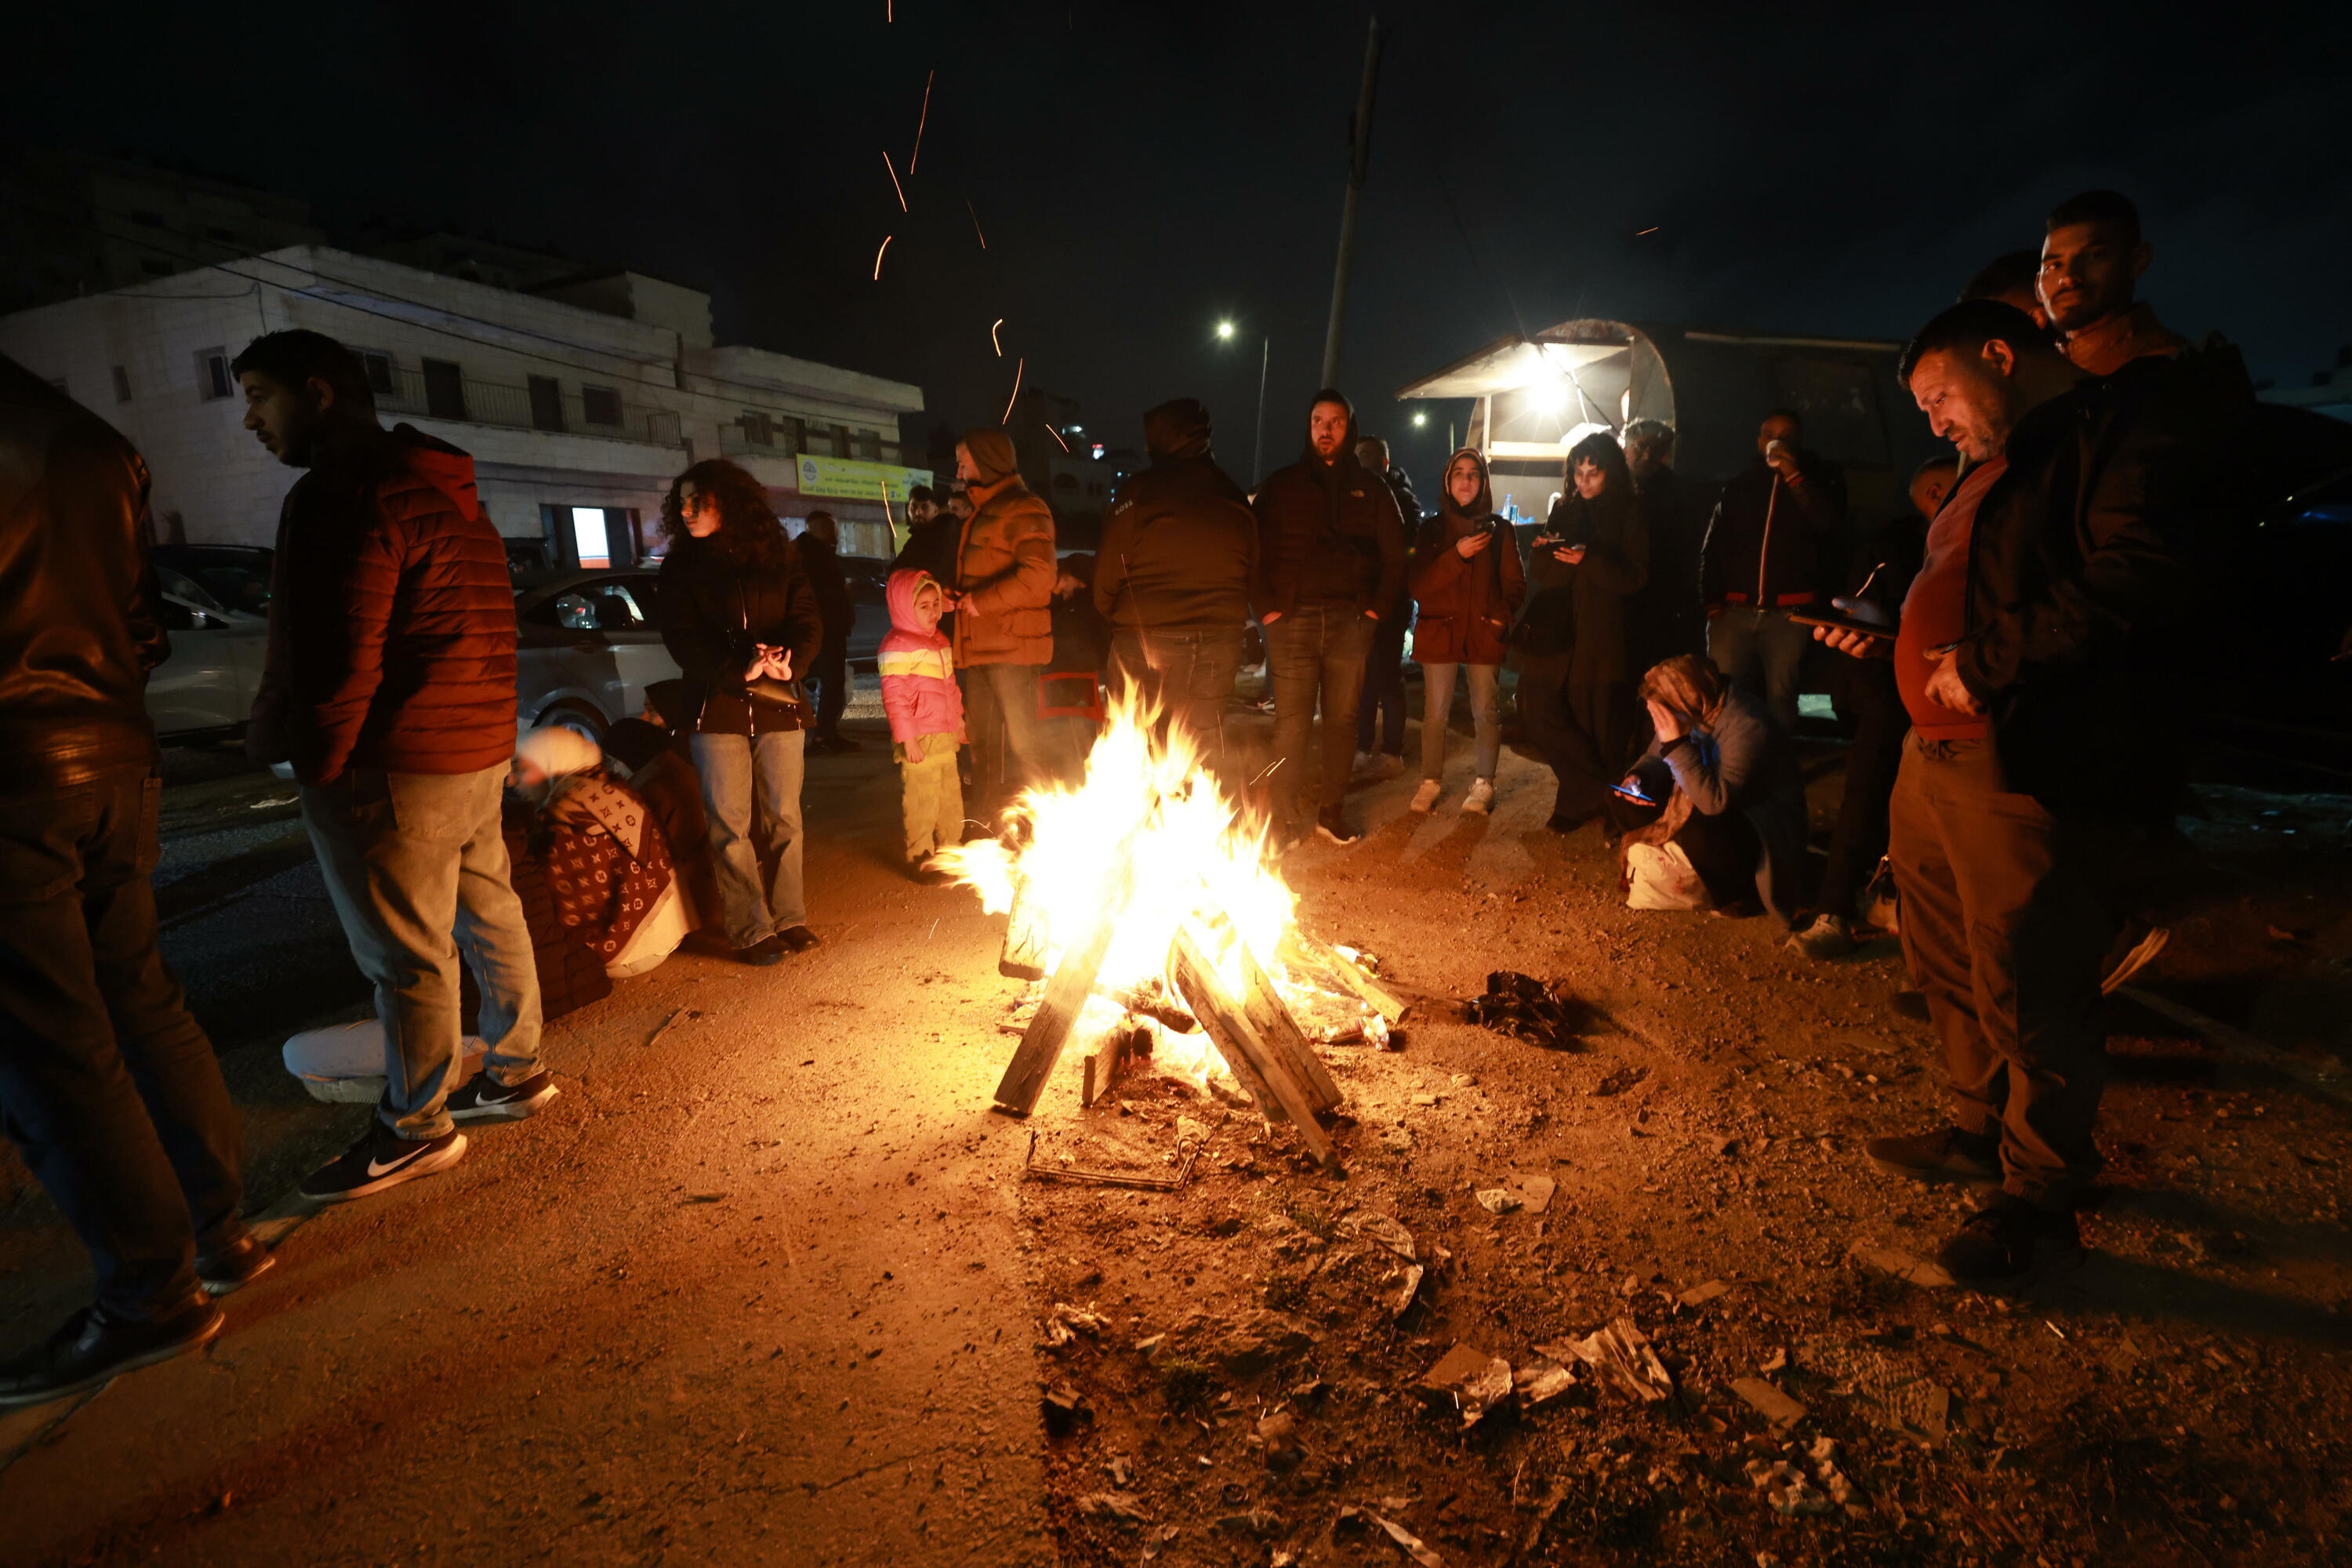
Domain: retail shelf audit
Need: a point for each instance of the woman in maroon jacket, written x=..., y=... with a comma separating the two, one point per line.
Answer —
x=738, y=616
x=1466, y=587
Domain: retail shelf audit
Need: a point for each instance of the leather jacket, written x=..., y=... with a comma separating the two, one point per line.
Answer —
x=80, y=625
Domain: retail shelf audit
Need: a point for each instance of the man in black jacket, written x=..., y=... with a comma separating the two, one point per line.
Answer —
x=821, y=559
x=2031, y=656
x=110, y=1089
x=1331, y=554
x=1665, y=617
x=1179, y=555
x=1763, y=557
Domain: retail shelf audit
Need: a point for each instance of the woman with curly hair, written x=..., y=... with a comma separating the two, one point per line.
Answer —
x=738, y=616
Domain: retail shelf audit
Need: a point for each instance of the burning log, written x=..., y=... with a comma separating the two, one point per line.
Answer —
x=1027, y=933
x=1066, y=991
x=1271, y=1016
x=1266, y=1072
x=1320, y=957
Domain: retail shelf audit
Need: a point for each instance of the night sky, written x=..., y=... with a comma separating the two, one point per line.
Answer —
x=1141, y=171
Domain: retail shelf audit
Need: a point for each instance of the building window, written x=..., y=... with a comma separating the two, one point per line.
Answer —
x=546, y=404
x=445, y=389
x=592, y=546
x=600, y=405
x=121, y=384
x=212, y=379
x=382, y=379
x=757, y=430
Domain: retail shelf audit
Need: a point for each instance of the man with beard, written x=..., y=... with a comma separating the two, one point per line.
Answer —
x=1763, y=559
x=1331, y=553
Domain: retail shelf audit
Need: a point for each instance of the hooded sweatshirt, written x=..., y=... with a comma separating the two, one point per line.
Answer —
x=391, y=623
x=1329, y=535
x=917, y=665
x=1005, y=564
x=1466, y=606
x=1179, y=544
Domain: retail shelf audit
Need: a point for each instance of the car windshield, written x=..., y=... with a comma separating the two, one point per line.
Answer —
x=181, y=585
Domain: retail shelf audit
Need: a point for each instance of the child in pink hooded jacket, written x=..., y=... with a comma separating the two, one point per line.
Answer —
x=925, y=709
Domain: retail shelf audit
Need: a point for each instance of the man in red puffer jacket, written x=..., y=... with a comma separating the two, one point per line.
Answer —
x=391, y=689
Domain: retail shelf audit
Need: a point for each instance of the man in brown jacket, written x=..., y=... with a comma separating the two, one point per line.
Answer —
x=1005, y=571
x=390, y=687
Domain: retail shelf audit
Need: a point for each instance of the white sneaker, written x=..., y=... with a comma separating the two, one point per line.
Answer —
x=1362, y=766
x=1481, y=798
x=1427, y=795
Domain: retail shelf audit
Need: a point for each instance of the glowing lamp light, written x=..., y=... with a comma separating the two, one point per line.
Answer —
x=1225, y=331
x=1419, y=420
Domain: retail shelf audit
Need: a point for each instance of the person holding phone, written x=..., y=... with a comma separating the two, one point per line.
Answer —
x=1468, y=586
x=738, y=616
x=1576, y=673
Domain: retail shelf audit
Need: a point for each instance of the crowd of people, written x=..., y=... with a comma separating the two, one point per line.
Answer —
x=2005, y=654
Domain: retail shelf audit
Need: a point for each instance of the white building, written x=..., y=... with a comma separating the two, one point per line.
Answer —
x=580, y=400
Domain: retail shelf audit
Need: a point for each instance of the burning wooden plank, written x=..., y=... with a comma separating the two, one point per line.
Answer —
x=1028, y=933
x=1066, y=993
x=1322, y=958
x=1244, y=1048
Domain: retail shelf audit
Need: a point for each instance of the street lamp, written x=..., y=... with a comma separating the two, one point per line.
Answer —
x=1419, y=420
x=1225, y=331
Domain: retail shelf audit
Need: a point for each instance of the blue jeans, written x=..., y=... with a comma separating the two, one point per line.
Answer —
x=1485, y=717
x=1316, y=651
x=1188, y=674
x=1763, y=650
x=418, y=869
x=744, y=776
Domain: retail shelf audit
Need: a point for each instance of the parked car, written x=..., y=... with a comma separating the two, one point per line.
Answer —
x=205, y=690
x=587, y=647
x=238, y=576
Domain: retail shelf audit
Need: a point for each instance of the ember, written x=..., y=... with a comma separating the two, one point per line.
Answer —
x=1181, y=931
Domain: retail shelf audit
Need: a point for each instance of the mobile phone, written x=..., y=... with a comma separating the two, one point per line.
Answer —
x=1838, y=622
x=1622, y=793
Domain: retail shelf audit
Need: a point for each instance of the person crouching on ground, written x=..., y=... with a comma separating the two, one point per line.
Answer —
x=389, y=685
x=738, y=616
x=926, y=711
x=1726, y=775
x=1467, y=584
x=615, y=888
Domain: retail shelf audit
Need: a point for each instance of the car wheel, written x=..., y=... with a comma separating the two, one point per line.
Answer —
x=577, y=716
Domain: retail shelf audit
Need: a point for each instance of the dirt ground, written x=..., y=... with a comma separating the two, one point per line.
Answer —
x=776, y=1290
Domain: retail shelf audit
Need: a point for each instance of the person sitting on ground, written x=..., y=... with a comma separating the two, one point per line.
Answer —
x=926, y=711
x=1725, y=775
x=648, y=751
x=615, y=885
x=1467, y=584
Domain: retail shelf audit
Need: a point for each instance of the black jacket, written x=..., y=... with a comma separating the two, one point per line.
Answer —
x=1330, y=534
x=80, y=620
x=1666, y=615
x=713, y=609
x=1587, y=608
x=2089, y=556
x=932, y=547
x=1766, y=543
x=835, y=611
x=1179, y=543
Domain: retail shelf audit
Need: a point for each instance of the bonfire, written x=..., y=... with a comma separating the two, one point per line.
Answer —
x=1148, y=908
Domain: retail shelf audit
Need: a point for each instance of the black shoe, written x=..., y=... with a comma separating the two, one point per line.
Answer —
x=799, y=939
x=2011, y=1240
x=482, y=1098
x=1567, y=821
x=381, y=1159
x=91, y=1350
x=1333, y=824
x=1947, y=1155
x=233, y=1267
x=1912, y=1004
x=768, y=949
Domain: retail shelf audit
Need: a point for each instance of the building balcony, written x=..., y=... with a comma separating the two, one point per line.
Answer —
x=788, y=439
x=543, y=405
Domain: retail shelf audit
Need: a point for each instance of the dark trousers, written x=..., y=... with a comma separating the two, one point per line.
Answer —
x=1872, y=760
x=110, y=1088
x=1582, y=721
x=1011, y=748
x=830, y=672
x=1315, y=652
x=2005, y=932
x=1724, y=851
x=1187, y=674
x=1381, y=713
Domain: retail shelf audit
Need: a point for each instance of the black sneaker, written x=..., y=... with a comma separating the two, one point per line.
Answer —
x=482, y=1098
x=760, y=954
x=798, y=938
x=1333, y=824
x=91, y=1350
x=233, y=1267
x=2011, y=1241
x=381, y=1159
x=1972, y=1158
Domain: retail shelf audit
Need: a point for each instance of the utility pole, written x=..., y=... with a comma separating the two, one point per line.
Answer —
x=1360, y=152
